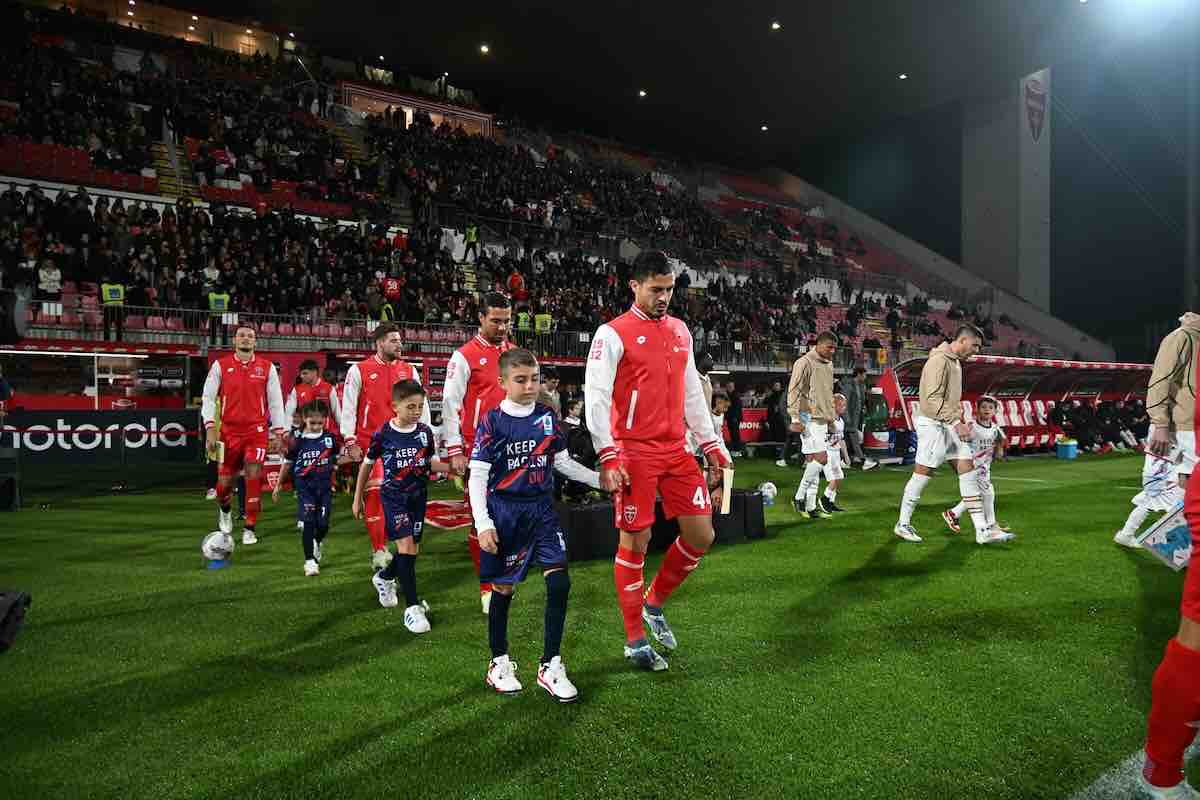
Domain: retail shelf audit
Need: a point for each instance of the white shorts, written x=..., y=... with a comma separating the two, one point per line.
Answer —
x=833, y=467
x=1186, y=442
x=937, y=443
x=815, y=438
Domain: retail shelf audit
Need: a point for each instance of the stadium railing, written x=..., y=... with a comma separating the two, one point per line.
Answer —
x=81, y=319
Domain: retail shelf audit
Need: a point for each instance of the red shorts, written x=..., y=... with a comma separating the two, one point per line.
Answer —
x=1190, y=605
x=674, y=474
x=242, y=446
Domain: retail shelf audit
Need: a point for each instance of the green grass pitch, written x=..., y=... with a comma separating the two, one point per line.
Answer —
x=830, y=660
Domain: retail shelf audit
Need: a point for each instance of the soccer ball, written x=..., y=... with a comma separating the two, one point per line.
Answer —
x=217, y=546
x=768, y=491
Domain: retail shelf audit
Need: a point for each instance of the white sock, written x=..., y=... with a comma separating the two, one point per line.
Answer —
x=912, y=496
x=812, y=477
x=988, y=496
x=1136, y=518
x=810, y=497
x=968, y=486
x=831, y=494
x=959, y=509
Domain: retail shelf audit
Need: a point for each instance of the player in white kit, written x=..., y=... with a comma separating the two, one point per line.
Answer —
x=986, y=441
x=835, y=452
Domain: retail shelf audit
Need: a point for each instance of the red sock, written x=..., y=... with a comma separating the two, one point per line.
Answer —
x=627, y=575
x=1174, y=706
x=223, y=492
x=473, y=547
x=374, y=515
x=680, y=561
x=253, y=500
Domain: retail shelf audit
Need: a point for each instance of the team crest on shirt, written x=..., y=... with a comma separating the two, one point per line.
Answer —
x=483, y=361
x=374, y=375
x=630, y=514
x=258, y=371
x=641, y=340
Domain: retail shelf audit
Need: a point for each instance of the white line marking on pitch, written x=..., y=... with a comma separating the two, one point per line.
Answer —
x=1025, y=480
x=1120, y=782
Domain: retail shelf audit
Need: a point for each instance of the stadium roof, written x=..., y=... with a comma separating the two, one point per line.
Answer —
x=716, y=72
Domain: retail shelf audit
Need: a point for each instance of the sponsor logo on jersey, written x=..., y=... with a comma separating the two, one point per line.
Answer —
x=641, y=340
x=483, y=361
x=421, y=437
x=374, y=375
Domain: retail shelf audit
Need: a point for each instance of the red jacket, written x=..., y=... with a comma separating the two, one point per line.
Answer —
x=472, y=390
x=302, y=394
x=642, y=392
x=367, y=398
x=249, y=394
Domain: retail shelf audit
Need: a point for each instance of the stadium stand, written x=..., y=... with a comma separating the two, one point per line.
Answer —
x=553, y=217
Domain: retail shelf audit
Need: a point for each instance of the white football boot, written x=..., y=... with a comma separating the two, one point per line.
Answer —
x=1126, y=539
x=415, y=619
x=248, y=537
x=994, y=536
x=381, y=559
x=225, y=520
x=502, y=675
x=645, y=657
x=311, y=568
x=387, y=591
x=211, y=494
x=906, y=532
x=553, y=678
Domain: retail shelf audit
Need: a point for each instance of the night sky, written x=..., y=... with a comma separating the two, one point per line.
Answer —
x=827, y=86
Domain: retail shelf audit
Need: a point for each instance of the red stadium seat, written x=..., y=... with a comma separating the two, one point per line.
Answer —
x=135, y=322
x=174, y=324
x=286, y=329
x=267, y=329
x=156, y=324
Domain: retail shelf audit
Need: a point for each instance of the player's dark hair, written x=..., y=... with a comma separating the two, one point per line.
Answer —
x=314, y=408
x=383, y=329
x=967, y=329
x=573, y=404
x=549, y=373
x=402, y=390
x=827, y=337
x=517, y=357
x=650, y=263
x=493, y=300
x=309, y=364
x=985, y=399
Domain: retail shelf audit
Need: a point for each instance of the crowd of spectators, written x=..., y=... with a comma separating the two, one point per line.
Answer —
x=446, y=166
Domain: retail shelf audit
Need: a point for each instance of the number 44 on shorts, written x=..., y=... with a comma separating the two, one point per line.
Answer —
x=700, y=498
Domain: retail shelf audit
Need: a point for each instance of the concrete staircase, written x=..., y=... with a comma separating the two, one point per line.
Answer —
x=173, y=183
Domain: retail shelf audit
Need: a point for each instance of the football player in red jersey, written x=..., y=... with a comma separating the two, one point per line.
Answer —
x=311, y=387
x=642, y=394
x=366, y=407
x=252, y=422
x=472, y=390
